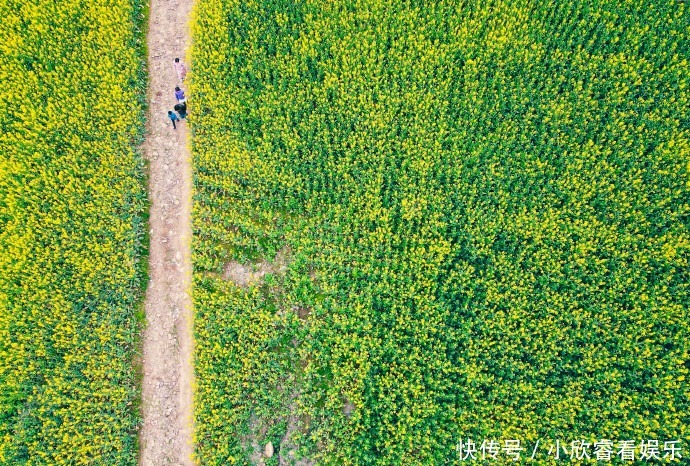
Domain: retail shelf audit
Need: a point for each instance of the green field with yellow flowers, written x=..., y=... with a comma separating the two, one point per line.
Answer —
x=463, y=220
x=72, y=230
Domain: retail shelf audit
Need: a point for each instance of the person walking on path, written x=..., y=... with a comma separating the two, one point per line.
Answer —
x=173, y=117
x=180, y=69
x=179, y=95
x=181, y=110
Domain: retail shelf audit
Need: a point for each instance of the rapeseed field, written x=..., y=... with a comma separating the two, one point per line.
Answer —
x=72, y=230
x=464, y=219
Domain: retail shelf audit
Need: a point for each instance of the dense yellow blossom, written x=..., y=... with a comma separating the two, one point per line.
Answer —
x=72, y=201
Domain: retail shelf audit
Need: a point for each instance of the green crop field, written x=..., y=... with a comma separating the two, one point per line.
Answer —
x=465, y=219
x=72, y=230
x=418, y=227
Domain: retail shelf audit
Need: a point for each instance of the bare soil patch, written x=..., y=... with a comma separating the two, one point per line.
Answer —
x=245, y=275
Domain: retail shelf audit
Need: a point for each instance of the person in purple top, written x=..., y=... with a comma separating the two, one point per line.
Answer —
x=179, y=95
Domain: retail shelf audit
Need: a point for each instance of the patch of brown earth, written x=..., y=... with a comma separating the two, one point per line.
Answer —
x=245, y=275
x=166, y=434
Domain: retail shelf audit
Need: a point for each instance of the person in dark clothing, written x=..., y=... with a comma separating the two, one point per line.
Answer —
x=181, y=110
x=173, y=117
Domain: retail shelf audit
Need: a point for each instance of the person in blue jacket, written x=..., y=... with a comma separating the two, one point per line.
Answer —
x=173, y=117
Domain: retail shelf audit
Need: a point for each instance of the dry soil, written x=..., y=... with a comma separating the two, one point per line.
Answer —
x=167, y=431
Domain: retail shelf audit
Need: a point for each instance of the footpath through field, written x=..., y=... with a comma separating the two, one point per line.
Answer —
x=167, y=432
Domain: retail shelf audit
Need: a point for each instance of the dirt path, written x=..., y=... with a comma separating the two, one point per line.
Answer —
x=166, y=435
